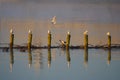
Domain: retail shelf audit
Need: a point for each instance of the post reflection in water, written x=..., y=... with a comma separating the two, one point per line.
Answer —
x=29, y=58
x=49, y=58
x=109, y=57
x=11, y=59
x=85, y=57
x=68, y=57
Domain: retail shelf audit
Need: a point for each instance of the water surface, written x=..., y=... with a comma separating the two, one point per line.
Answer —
x=58, y=64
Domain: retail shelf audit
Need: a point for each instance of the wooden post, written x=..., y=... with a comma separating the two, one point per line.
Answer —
x=86, y=39
x=29, y=39
x=49, y=39
x=11, y=39
x=68, y=40
x=109, y=40
x=49, y=58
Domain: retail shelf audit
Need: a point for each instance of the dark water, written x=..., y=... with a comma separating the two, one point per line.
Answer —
x=96, y=16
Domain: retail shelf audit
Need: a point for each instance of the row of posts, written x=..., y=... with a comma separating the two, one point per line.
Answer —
x=50, y=37
x=49, y=46
x=68, y=58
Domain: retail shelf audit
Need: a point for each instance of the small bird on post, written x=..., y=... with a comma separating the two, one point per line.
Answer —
x=86, y=32
x=108, y=33
x=11, y=31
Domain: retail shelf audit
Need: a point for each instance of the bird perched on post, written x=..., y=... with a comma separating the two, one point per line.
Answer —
x=86, y=32
x=53, y=20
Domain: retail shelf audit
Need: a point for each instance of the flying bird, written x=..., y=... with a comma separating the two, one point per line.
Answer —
x=53, y=20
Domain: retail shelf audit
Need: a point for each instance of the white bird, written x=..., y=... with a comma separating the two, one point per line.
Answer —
x=29, y=31
x=68, y=32
x=63, y=43
x=11, y=31
x=49, y=32
x=108, y=33
x=86, y=32
x=53, y=20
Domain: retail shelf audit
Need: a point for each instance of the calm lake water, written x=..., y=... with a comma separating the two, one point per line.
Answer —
x=96, y=16
x=60, y=64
